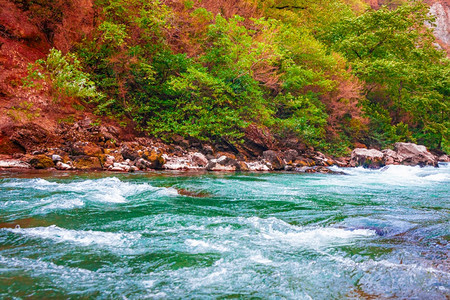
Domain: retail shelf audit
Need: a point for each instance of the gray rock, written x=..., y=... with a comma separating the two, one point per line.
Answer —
x=274, y=159
x=199, y=159
x=444, y=158
x=223, y=163
x=62, y=166
x=412, y=155
x=56, y=158
x=257, y=166
x=142, y=164
x=14, y=163
x=290, y=155
x=390, y=157
x=109, y=161
x=368, y=158
x=119, y=167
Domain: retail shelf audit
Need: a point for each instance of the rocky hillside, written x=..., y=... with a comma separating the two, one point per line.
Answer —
x=321, y=91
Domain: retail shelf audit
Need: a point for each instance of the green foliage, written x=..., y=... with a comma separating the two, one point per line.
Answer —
x=407, y=78
x=66, y=77
x=25, y=110
x=179, y=68
x=303, y=115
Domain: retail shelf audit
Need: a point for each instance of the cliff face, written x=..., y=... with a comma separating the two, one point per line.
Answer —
x=441, y=11
x=28, y=30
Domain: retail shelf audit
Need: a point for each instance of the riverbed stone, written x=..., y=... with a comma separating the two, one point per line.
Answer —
x=14, y=164
x=84, y=162
x=412, y=154
x=367, y=158
x=119, y=167
x=444, y=158
x=199, y=159
x=64, y=166
x=223, y=163
x=41, y=161
x=274, y=159
x=56, y=158
x=290, y=155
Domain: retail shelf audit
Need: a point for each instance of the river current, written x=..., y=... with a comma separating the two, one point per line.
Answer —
x=368, y=234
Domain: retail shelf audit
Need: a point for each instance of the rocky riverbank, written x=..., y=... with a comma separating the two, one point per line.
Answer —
x=87, y=146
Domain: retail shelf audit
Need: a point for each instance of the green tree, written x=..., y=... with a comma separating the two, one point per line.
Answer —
x=406, y=76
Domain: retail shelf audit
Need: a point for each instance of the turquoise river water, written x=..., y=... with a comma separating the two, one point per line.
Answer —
x=369, y=234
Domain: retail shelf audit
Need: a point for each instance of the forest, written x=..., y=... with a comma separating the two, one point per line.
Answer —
x=329, y=73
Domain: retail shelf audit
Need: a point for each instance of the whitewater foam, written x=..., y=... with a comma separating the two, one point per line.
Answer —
x=398, y=174
x=319, y=237
x=75, y=194
x=81, y=237
x=258, y=258
x=202, y=246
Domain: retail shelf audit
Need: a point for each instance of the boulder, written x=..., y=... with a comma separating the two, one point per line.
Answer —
x=31, y=137
x=109, y=161
x=411, y=154
x=8, y=147
x=274, y=159
x=142, y=164
x=155, y=157
x=199, y=159
x=56, y=158
x=223, y=163
x=243, y=166
x=13, y=164
x=62, y=166
x=190, y=161
x=130, y=154
x=178, y=163
x=390, y=157
x=290, y=155
x=84, y=162
x=368, y=158
x=444, y=158
x=42, y=162
x=304, y=162
x=208, y=150
x=257, y=166
x=321, y=160
x=119, y=167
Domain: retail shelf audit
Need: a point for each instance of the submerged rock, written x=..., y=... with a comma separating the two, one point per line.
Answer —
x=317, y=169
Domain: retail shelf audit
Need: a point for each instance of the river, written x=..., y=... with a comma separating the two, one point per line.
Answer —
x=364, y=235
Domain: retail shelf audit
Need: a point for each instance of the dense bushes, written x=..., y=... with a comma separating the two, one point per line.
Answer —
x=407, y=83
x=328, y=72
